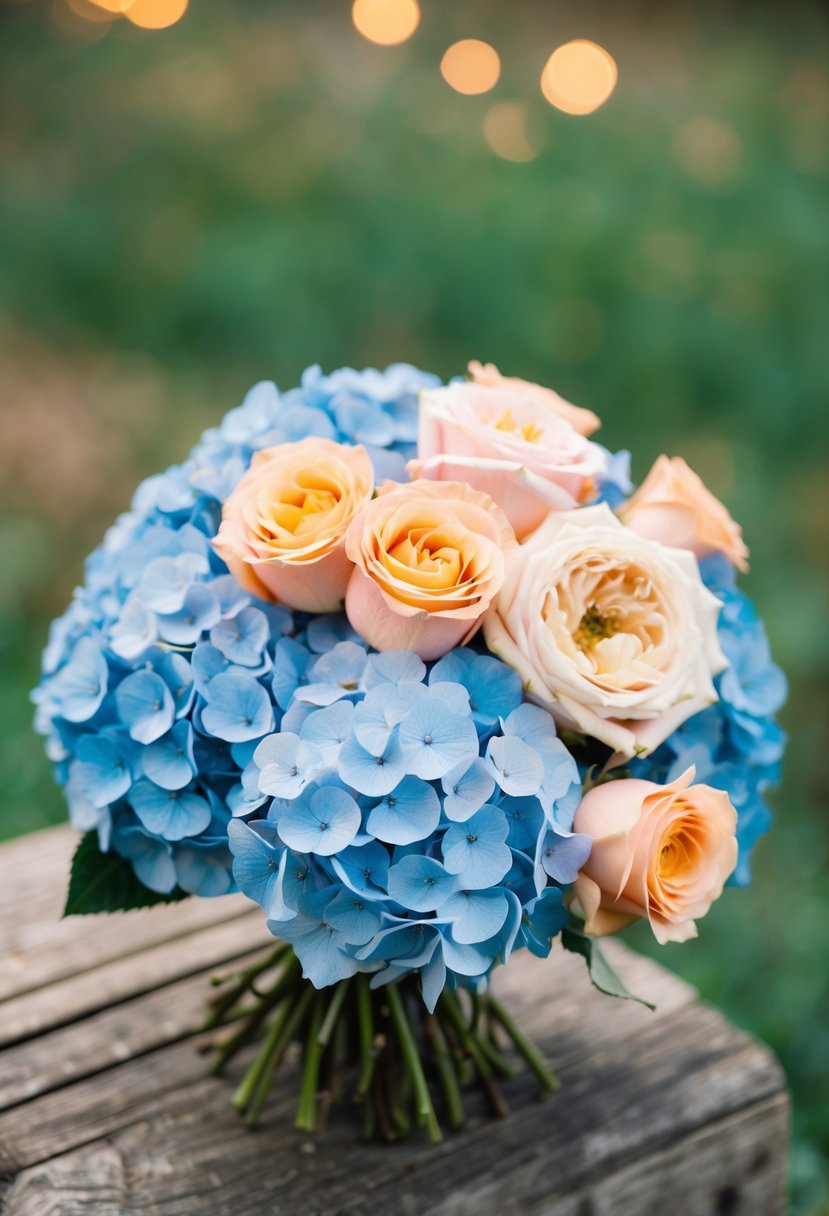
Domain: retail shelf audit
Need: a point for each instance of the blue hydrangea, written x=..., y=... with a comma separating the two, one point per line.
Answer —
x=736, y=744
x=163, y=674
x=423, y=828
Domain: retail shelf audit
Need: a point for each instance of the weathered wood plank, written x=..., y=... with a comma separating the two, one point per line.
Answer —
x=37, y=947
x=732, y=1167
x=73, y=997
x=622, y=1111
x=43, y=953
x=103, y=1040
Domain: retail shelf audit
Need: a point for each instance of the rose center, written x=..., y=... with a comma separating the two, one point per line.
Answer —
x=527, y=431
x=300, y=504
x=594, y=626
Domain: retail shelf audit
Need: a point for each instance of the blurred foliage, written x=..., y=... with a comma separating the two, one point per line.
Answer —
x=257, y=188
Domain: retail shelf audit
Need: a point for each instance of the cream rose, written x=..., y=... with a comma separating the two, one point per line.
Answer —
x=660, y=851
x=428, y=559
x=283, y=528
x=674, y=506
x=614, y=633
x=512, y=442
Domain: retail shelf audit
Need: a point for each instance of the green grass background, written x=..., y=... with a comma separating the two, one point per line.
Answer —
x=185, y=212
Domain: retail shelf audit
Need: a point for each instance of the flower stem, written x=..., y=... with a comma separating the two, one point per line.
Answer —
x=330, y=1020
x=383, y=1044
x=468, y=1041
x=411, y=1055
x=445, y=1068
x=493, y=1056
x=294, y=1013
x=306, y=1111
x=224, y=1001
x=532, y=1056
x=267, y=1002
x=368, y=1053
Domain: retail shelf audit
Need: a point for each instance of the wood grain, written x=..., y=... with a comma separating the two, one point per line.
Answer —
x=106, y=1108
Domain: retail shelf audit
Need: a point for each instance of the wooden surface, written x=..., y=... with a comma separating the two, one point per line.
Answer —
x=106, y=1107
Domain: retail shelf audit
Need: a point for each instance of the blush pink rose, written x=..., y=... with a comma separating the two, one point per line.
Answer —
x=581, y=420
x=616, y=635
x=283, y=528
x=659, y=851
x=514, y=443
x=428, y=559
x=674, y=506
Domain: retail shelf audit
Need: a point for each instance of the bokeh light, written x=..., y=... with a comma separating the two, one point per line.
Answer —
x=579, y=77
x=87, y=10
x=155, y=14
x=508, y=132
x=386, y=22
x=148, y=14
x=709, y=150
x=471, y=66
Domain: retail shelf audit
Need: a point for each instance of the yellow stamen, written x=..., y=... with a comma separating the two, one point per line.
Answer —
x=528, y=431
x=593, y=627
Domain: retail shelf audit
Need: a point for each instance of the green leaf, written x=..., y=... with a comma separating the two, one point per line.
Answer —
x=601, y=973
x=105, y=882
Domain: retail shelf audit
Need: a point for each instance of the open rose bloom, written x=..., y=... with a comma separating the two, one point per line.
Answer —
x=283, y=528
x=426, y=703
x=515, y=441
x=615, y=634
x=673, y=506
x=428, y=559
x=662, y=852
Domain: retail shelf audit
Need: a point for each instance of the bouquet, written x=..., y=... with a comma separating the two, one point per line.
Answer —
x=416, y=668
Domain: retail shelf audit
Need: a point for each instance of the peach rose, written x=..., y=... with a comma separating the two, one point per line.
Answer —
x=660, y=851
x=429, y=557
x=615, y=634
x=511, y=442
x=673, y=506
x=283, y=528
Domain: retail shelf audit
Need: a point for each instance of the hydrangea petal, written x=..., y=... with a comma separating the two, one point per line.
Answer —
x=475, y=851
x=363, y=869
x=81, y=685
x=172, y=814
x=259, y=861
x=419, y=883
x=169, y=762
x=354, y=917
x=165, y=581
x=152, y=859
x=145, y=705
x=393, y=667
x=466, y=790
x=242, y=638
x=563, y=856
x=435, y=741
x=411, y=812
x=238, y=708
x=286, y=763
x=327, y=729
x=373, y=775
x=101, y=771
x=323, y=822
x=517, y=768
x=475, y=915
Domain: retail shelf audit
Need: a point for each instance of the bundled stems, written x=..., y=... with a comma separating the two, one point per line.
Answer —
x=399, y=1064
